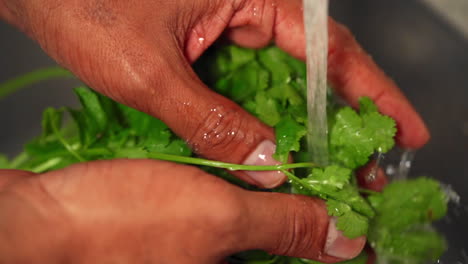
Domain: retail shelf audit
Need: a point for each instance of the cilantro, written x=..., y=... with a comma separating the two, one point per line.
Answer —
x=102, y=129
x=268, y=83
x=267, y=109
x=351, y=223
x=4, y=162
x=403, y=211
x=355, y=137
x=36, y=76
x=288, y=136
x=272, y=86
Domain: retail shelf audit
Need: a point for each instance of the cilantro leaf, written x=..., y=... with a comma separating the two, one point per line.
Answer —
x=419, y=200
x=403, y=211
x=334, y=176
x=4, y=162
x=354, y=137
x=267, y=109
x=288, y=136
x=92, y=106
x=351, y=223
x=412, y=246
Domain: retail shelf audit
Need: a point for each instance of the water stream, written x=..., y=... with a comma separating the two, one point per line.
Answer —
x=316, y=32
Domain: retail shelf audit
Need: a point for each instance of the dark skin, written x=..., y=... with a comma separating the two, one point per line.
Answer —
x=139, y=53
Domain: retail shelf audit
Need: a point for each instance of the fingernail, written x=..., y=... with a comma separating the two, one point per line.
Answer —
x=339, y=246
x=263, y=155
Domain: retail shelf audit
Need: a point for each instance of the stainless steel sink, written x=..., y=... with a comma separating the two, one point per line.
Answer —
x=424, y=54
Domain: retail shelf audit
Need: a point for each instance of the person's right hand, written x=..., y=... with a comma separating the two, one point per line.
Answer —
x=139, y=53
x=143, y=211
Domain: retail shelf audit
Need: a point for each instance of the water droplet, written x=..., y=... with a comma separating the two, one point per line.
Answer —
x=452, y=196
x=390, y=170
x=201, y=40
x=255, y=11
x=405, y=164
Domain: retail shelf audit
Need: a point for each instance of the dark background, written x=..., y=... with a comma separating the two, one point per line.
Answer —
x=425, y=55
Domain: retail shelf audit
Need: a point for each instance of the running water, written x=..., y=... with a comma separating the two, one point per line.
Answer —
x=373, y=172
x=406, y=162
x=401, y=171
x=316, y=32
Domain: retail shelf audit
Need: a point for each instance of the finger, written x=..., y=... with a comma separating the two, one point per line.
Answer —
x=217, y=128
x=9, y=176
x=5, y=13
x=352, y=72
x=298, y=226
x=355, y=74
x=372, y=177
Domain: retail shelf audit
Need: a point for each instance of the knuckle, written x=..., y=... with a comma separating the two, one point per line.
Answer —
x=221, y=132
x=302, y=232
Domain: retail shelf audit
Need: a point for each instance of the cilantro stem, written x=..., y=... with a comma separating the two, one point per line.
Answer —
x=62, y=140
x=22, y=81
x=367, y=191
x=228, y=166
x=46, y=165
x=20, y=159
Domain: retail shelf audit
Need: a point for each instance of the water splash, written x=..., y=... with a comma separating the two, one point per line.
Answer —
x=401, y=171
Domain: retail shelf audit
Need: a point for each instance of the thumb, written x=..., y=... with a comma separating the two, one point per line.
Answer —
x=298, y=226
x=9, y=176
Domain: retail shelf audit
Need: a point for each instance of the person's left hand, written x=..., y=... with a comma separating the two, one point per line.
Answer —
x=144, y=211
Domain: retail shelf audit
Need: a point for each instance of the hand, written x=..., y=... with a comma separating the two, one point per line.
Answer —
x=139, y=53
x=142, y=211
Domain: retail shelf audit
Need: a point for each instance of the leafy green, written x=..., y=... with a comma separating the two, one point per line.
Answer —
x=268, y=83
x=272, y=86
x=351, y=223
x=36, y=76
x=355, y=137
x=102, y=129
x=289, y=138
x=4, y=162
x=400, y=229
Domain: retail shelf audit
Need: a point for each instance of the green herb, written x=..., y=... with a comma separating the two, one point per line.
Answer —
x=272, y=86
x=16, y=84
x=400, y=231
x=354, y=137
